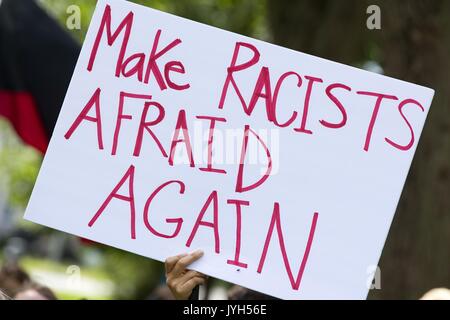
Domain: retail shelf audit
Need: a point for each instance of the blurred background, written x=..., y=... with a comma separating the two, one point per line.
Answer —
x=40, y=41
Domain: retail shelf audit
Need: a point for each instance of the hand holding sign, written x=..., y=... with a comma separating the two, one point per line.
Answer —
x=180, y=280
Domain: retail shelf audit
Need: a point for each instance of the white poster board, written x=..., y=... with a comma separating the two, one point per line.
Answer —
x=309, y=223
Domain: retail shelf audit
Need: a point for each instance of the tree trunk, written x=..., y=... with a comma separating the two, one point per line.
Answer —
x=415, y=41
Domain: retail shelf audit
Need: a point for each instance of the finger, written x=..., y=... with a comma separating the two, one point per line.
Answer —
x=171, y=261
x=189, y=275
x=192, y=283
x=181, y=264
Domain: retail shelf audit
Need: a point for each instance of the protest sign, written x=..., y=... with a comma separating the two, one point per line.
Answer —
x=285, y=168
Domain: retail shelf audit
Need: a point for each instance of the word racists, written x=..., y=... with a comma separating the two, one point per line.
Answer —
x=303, y=223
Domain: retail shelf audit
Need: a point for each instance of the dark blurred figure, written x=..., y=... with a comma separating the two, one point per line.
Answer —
x=12, y=278
x=35, y=291
x=37, y=59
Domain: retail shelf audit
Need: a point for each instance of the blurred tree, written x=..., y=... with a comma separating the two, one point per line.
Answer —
x=19, y=166
x=330, y=29
x=413, y=45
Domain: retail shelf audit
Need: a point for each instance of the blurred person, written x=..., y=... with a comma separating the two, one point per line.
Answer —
x=437, y=294
x=182, y=281
x=12, y=278
x=35, y=291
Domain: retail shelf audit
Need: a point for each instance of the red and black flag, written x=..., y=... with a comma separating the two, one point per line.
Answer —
x=37, y=59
